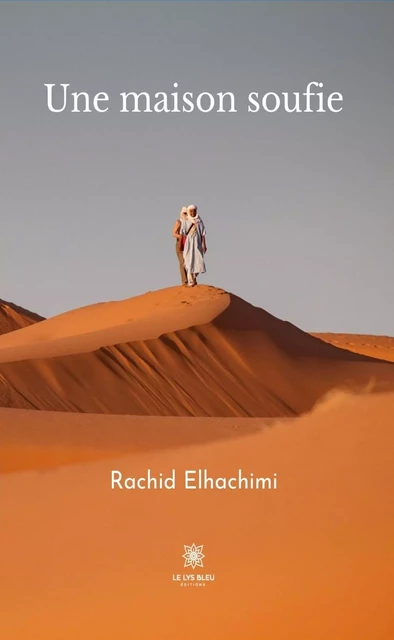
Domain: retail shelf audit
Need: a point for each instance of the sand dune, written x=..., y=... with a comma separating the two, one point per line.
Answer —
x=140, y=318
x=177, y=352
x=311, y=560
x=381, y=347
x=13, y=317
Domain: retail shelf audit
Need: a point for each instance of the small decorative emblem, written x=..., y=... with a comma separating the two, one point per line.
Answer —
x=193, y=556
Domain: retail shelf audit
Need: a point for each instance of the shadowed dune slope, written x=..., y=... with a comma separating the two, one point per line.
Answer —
x=13, y=317
x=177, y=352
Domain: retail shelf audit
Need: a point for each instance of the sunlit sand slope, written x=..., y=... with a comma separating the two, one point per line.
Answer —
x=381, y=347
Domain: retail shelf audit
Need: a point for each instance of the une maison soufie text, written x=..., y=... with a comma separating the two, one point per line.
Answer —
x=314, y=99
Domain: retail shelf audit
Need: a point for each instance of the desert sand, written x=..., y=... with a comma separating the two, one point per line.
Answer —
x=177, y=352
x=193, y=379
x=381, y=347
x=13, y=317
x=312, y=560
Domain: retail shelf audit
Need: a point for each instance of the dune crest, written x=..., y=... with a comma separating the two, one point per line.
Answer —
x=106, y=323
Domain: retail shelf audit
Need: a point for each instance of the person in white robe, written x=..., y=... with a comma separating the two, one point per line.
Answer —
x=195, y=246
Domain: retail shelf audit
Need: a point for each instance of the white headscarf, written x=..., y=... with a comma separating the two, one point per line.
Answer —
x=191, y=218
x=183, y=213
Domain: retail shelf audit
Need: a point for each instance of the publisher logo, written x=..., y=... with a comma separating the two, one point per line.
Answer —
x=193, y=558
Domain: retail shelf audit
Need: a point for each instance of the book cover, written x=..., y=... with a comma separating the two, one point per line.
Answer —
x=196, y=320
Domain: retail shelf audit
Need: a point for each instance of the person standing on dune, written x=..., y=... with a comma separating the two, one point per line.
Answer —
x=179, y=232
x=195, y=246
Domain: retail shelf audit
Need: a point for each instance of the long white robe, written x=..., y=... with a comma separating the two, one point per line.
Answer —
x=193, y=255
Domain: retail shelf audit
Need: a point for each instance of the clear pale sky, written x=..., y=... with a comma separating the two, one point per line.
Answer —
x=298, y=207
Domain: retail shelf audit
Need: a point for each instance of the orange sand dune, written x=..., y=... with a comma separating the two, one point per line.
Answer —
x=198, y=352
x=140, y=318
x=13, y=317
x=381, y=347
x=310, y=560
